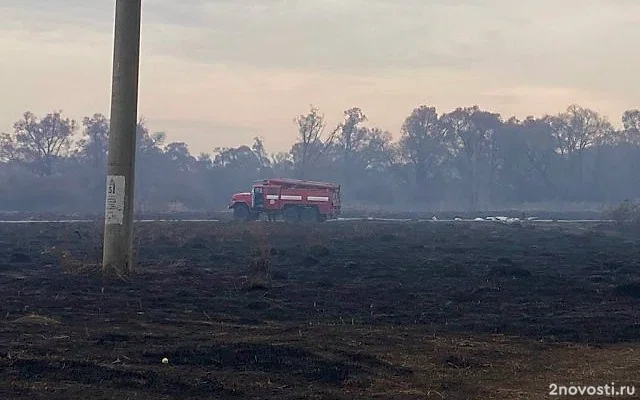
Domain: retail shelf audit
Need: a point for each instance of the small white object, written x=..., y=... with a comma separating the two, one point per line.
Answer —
x=114, y=209
x=165, y=360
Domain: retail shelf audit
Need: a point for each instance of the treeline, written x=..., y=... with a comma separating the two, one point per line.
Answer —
x=468, y=158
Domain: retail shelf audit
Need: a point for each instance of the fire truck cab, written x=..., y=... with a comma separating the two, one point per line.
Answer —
x=293, y=199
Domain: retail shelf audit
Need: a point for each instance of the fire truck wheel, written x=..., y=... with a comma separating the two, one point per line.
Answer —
x=310, y=214
x=241, y=212
x=290, y=214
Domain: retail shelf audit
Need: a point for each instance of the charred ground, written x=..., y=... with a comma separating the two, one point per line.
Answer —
x=337, y=310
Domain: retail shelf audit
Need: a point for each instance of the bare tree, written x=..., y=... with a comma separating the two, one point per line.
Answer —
x=148, y=143
x=261, y=154
x=204, y=161
x=631, y=126
x=178, y=153
x=40, y=142
x=539, y=145
x=575, y=130
x=7, y=148
x=527, y=153
x=350, y=140
x=470, y=132
x=423, y=144
x=378, y=151
x=311, y=145
x=95, y=142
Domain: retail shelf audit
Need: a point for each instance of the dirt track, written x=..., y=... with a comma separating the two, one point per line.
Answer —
x=340, y=310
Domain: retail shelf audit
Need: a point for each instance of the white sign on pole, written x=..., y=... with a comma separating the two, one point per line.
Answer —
x=114, y=212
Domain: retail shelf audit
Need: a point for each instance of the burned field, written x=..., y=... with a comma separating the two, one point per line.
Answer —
x=335, y=310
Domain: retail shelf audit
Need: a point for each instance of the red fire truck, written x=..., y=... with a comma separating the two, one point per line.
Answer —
x=294, y=199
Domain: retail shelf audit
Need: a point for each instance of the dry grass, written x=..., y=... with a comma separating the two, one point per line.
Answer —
x=626, y=212
x=35, y=319
x=69, y=264
x=260, y=271
x=401, y=362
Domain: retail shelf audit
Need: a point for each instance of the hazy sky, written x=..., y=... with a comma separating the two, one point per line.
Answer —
x=219, y=72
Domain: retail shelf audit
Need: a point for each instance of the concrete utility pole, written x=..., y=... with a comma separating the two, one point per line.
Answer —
x=118, y=222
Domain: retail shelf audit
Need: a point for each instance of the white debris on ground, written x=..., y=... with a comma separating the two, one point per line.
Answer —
x=499, y=219
x=504, y=220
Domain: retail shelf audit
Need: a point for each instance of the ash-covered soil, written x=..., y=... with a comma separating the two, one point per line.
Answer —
x=334, y=310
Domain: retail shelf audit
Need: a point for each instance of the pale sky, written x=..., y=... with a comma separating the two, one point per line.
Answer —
x=219, y=72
